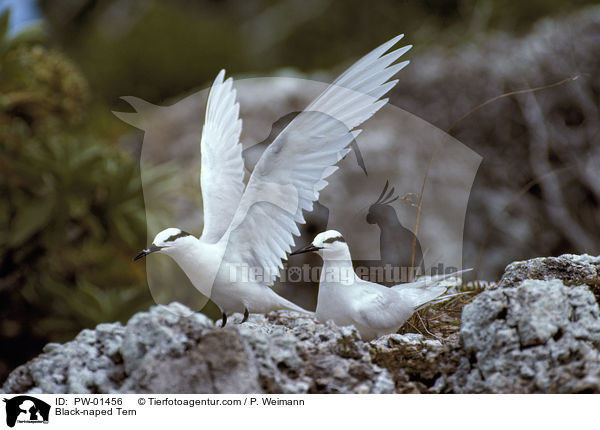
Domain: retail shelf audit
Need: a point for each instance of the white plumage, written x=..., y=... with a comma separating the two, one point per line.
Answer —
x=255, y=227
x=373, y=309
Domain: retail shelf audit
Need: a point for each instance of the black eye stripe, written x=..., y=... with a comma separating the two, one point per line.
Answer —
x=335, y=239
x=176, y=236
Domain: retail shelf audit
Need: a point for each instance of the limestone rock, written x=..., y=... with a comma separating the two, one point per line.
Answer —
x=522, y=335
x=535, y=337
x=171, y=349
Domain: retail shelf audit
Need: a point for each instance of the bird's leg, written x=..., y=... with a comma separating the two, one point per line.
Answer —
x=224, y=320
x=246, y=314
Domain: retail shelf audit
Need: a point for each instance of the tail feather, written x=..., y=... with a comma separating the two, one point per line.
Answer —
x=442, y=299
x=423, y=291
x=429, y=280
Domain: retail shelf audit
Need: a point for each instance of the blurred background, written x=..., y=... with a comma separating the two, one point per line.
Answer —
x=72, y=211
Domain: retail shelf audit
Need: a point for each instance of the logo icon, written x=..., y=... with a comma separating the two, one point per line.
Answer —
x=26, y=409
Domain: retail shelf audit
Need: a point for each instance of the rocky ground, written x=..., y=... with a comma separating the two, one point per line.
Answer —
x=536, y=331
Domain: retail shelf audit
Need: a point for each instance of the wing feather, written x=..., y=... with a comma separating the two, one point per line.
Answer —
x=293, y=169
x=222, y=167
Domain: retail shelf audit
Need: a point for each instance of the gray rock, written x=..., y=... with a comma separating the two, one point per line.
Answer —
x=571, y=269
x=90, y=363
x=534, y=336
x=218, y=363
x=294, y=354
x=522, y=336
x=414, y=362
x=170, y=349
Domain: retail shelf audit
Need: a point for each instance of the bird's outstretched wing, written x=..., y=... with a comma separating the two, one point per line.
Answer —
x=292, y=170
x=222, y=166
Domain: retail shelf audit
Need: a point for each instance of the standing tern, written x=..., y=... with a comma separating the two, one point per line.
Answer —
x=254, y=226
x=346, y=299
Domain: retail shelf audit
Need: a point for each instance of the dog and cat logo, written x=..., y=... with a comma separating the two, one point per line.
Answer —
x=26, y=409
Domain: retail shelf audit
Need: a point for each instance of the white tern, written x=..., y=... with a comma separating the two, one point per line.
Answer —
x=253, y=226
x=346, y=299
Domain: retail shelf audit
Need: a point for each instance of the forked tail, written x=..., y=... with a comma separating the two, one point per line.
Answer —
x=425, y=290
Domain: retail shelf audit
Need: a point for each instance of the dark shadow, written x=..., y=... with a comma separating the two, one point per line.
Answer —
x=252, y=155
x=395, y=241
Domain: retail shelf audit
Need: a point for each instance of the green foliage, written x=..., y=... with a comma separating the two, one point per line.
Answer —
x=159, y=49
x=72, y=214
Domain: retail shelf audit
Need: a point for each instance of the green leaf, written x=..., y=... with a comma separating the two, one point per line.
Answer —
x=34, y=33
x=31, y=218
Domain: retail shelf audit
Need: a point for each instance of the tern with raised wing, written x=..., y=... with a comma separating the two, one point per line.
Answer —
x=250, y=229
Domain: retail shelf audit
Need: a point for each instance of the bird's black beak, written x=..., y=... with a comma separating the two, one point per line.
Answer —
x=141, y=254
x=147, y=251
x=309, y=248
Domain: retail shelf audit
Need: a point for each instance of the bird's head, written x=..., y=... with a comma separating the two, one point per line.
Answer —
x=167, y=241
x=329, y=245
